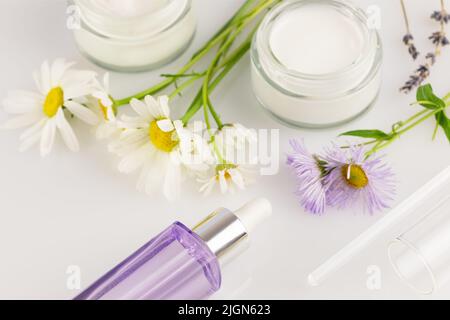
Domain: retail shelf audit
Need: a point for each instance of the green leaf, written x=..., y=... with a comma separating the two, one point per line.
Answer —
x=427, y=99
x=444, y=122
x=368, y=134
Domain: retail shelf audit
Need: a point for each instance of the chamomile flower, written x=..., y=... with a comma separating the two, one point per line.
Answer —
x=352, y=178
x=151, y=142
x=228, y=177
x=234, y=163
x=45, y=112
x=103, y=104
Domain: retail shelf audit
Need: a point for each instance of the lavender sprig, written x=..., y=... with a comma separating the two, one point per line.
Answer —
x=439, y=39
x=408, y=39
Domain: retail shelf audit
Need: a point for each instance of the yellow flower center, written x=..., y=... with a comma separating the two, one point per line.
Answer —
x=104, y=110
x=162, y=140
x=355, y=176
x=225, y=167
x=53, y=101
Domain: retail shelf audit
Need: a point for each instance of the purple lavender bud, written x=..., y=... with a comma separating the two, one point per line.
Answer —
x=431, y=57
x=436, y=15
x=407, y=39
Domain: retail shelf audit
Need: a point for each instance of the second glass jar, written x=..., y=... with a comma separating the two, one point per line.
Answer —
x=316, y=63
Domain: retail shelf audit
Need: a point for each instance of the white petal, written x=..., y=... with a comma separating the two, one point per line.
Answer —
x=127, y=122
x=128, y=142
x=37, y=127
x=82, y=112
x=156, y=171
x=46, y=81
x=66, y=131
x=223, y=182
x=59, y=67
x=141, y=109
x=237, y=178
x=77, y=91
x=19, y=102
x=179, y=127
x=103, y=97
x=110, y=113
x=22, y=120
x=153, y=107
x=37, y=80
x=163, y=103
x=135, y=160
x=106, y=130
x=165, y=125
x=172, y=181
x=207, y=187
x=30, y=141
x=142, y=180
x=48, y=137
x=78, y=77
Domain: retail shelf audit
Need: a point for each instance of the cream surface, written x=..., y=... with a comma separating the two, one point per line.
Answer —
x=316, y=39
x=131, y=8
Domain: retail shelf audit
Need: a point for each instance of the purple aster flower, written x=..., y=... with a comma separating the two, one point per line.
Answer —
x=309, y=171
x=352, y=178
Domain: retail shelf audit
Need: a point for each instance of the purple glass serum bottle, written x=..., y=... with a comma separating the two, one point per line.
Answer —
x=181, y=263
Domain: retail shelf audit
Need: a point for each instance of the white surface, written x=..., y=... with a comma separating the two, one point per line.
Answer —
x=76, y=209
x=423, y=196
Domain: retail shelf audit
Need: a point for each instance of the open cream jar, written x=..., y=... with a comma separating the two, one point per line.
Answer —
x=316, y=63
x=134, y=35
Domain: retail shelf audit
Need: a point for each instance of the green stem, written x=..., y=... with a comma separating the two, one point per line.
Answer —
x=415, y=124
x=447, y=97
x=214, y=114
x=184, y=85
x=397, y=134
x=222, y=51
x=435, y=131
x=216, y=39
x=197, y=103
x=232, y=20
x=414, y=117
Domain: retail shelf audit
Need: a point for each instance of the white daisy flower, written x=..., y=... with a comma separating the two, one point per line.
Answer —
x=154, y=144
x=43, y=112
x=229, y=178
x=103, y=104
x=233, y=167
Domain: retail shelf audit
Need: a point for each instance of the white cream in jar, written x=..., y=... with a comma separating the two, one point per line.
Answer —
x=316, y=63
x=134, y=35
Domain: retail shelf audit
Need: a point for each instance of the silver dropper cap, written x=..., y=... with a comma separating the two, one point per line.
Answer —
x=226, y=233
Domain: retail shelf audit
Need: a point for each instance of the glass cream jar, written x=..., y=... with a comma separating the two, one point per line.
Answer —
x=316, y=63
x=133, y=35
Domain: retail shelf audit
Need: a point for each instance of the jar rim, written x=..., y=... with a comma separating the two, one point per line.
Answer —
x=161, y=20
x=262, y=38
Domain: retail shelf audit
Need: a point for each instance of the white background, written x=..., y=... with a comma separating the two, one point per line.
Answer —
x=76, y=209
